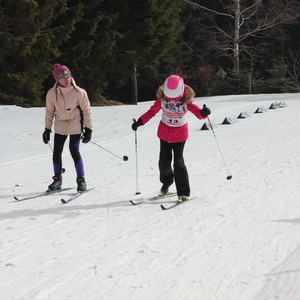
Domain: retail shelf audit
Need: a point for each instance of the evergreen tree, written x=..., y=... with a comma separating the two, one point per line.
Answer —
x=91, y=44
x=274, y=79
x=28, y=46
x=149, y=32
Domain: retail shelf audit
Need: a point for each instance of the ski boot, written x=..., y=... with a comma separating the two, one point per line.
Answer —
x=182, y=198
x=81, y=184
x=56, y=184
x=164, y=189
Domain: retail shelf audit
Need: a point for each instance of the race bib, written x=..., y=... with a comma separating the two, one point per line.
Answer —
x=173, y=113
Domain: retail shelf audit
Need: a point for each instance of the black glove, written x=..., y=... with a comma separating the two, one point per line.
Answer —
x=136, y=124
x=87, y=135
x=46, y=135
x=205, y=111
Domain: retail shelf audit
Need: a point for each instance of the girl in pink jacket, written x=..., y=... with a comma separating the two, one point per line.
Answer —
x=68, y=107
x=174, y=98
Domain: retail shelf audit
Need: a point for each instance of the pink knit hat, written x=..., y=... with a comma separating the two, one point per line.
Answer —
x=60, y=71
x=174, y=86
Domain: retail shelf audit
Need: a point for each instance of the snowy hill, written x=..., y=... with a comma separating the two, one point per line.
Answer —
x=237, y=240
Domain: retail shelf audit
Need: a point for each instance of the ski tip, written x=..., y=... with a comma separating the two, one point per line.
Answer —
x=134, y=203
x=63, y=201
x=17, y=199
x=162, y=207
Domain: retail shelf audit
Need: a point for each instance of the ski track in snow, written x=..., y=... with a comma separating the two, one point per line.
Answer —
x=238, y=240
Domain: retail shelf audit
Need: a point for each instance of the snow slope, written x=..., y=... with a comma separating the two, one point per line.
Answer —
x=238, y=240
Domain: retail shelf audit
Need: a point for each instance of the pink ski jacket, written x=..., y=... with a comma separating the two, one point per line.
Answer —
x=173, y=127
x=63, y=106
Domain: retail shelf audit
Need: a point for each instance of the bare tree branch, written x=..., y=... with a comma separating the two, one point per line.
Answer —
x=292, y=60
x=249, y=21
x=209, y=10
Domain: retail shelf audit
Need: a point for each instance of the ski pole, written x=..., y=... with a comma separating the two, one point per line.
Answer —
x=136, y=161
x=228, y=176
x=125, y=158
x=63, y=170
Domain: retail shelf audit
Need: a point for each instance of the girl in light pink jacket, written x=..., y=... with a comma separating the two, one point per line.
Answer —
x=68, y=107
x=174, y=98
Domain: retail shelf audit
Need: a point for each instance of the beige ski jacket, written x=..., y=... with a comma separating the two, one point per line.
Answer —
x=69, y=108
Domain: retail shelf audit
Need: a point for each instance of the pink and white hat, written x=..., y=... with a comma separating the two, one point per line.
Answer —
x=173, y=87
x=60, y=71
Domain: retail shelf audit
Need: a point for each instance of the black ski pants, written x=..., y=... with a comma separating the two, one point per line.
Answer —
x=74, y=143
x=180, y=174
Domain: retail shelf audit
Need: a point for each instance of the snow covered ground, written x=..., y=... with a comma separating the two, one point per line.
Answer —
x=238, y=240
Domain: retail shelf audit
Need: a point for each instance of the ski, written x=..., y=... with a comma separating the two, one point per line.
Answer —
x=73, y=197
x=160, y=196
x=171, y=206
x=46, y=193
x=163, y=207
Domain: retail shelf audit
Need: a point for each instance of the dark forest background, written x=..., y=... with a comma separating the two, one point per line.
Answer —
x=122, y=50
